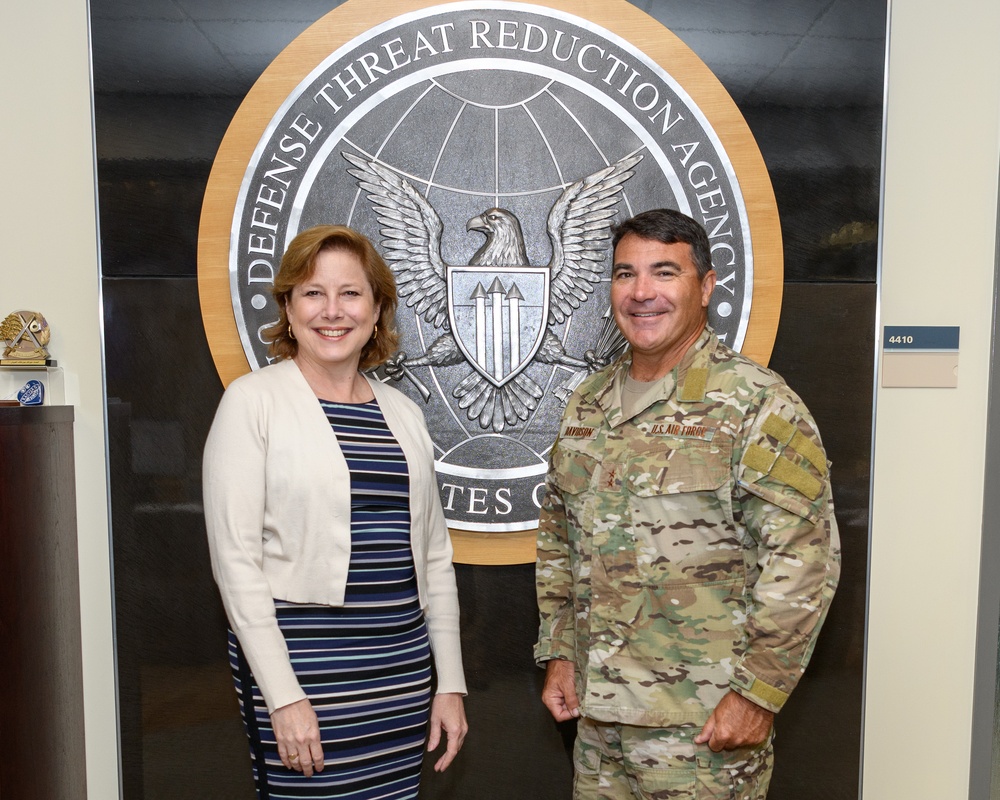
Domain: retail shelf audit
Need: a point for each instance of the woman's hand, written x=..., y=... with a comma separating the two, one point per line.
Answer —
x=296, y=731
x=448, y=715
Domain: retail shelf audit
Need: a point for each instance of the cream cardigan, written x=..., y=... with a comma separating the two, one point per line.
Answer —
x=278, y=514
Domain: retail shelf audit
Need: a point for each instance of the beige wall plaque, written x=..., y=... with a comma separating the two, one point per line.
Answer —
x=920, y=357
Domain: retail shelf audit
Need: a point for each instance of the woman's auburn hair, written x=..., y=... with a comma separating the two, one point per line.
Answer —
x=298, y=265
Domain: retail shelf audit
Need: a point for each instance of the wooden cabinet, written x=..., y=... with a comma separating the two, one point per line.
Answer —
x=41, y=681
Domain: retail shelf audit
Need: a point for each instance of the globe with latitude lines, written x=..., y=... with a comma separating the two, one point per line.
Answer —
x=470, y=141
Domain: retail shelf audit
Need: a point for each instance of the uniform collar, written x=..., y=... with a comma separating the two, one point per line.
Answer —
x=687, y=380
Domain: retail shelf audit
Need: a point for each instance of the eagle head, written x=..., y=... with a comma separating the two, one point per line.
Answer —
x=504, y=245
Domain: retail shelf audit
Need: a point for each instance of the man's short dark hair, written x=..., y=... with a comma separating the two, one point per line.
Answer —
x=670, y=227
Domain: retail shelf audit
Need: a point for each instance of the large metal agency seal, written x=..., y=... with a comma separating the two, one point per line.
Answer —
x=486, y=149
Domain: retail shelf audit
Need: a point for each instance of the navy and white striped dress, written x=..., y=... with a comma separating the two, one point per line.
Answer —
x=365, y=666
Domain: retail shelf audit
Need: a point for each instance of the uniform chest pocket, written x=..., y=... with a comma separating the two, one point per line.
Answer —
x=679, y=466
x=680, y=509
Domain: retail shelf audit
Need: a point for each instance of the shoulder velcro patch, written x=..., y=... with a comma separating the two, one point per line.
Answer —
x=788, y=434
x=693, y=388
x=781, y=469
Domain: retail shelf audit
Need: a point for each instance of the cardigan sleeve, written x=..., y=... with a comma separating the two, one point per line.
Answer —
x=235, y=491
x=442, y=599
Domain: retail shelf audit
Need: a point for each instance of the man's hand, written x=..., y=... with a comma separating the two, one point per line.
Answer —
x=736, y=722
x=559, y=691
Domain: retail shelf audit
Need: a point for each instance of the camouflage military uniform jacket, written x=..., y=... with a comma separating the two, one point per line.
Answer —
x=690, y=549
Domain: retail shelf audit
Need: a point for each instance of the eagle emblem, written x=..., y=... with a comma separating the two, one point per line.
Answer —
x=496, y=314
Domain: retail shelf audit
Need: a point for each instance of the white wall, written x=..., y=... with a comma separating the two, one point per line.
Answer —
x=48, y=227
x=939, y=229
x=938, y=252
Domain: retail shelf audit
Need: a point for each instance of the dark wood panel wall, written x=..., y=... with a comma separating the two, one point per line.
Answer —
x=41, y=677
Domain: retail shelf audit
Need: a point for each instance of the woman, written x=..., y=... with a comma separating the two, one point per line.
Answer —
x=329, y=544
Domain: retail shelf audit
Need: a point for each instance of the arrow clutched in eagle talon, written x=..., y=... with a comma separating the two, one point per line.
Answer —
x=397, y=363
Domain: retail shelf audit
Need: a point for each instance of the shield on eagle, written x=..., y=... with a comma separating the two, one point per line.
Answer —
x=498, y=317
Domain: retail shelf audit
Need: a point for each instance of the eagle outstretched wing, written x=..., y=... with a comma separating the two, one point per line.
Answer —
x=579, y=226
x=411, y=238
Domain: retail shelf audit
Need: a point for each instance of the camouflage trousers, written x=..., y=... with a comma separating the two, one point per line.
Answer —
x=612, y=761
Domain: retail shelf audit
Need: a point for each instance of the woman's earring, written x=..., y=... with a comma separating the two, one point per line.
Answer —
x=290, y=331
x=375, y=332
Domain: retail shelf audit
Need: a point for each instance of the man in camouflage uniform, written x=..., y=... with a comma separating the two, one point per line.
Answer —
x=687, y=548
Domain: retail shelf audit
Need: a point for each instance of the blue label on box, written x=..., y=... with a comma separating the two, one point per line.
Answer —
x=940, y=338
